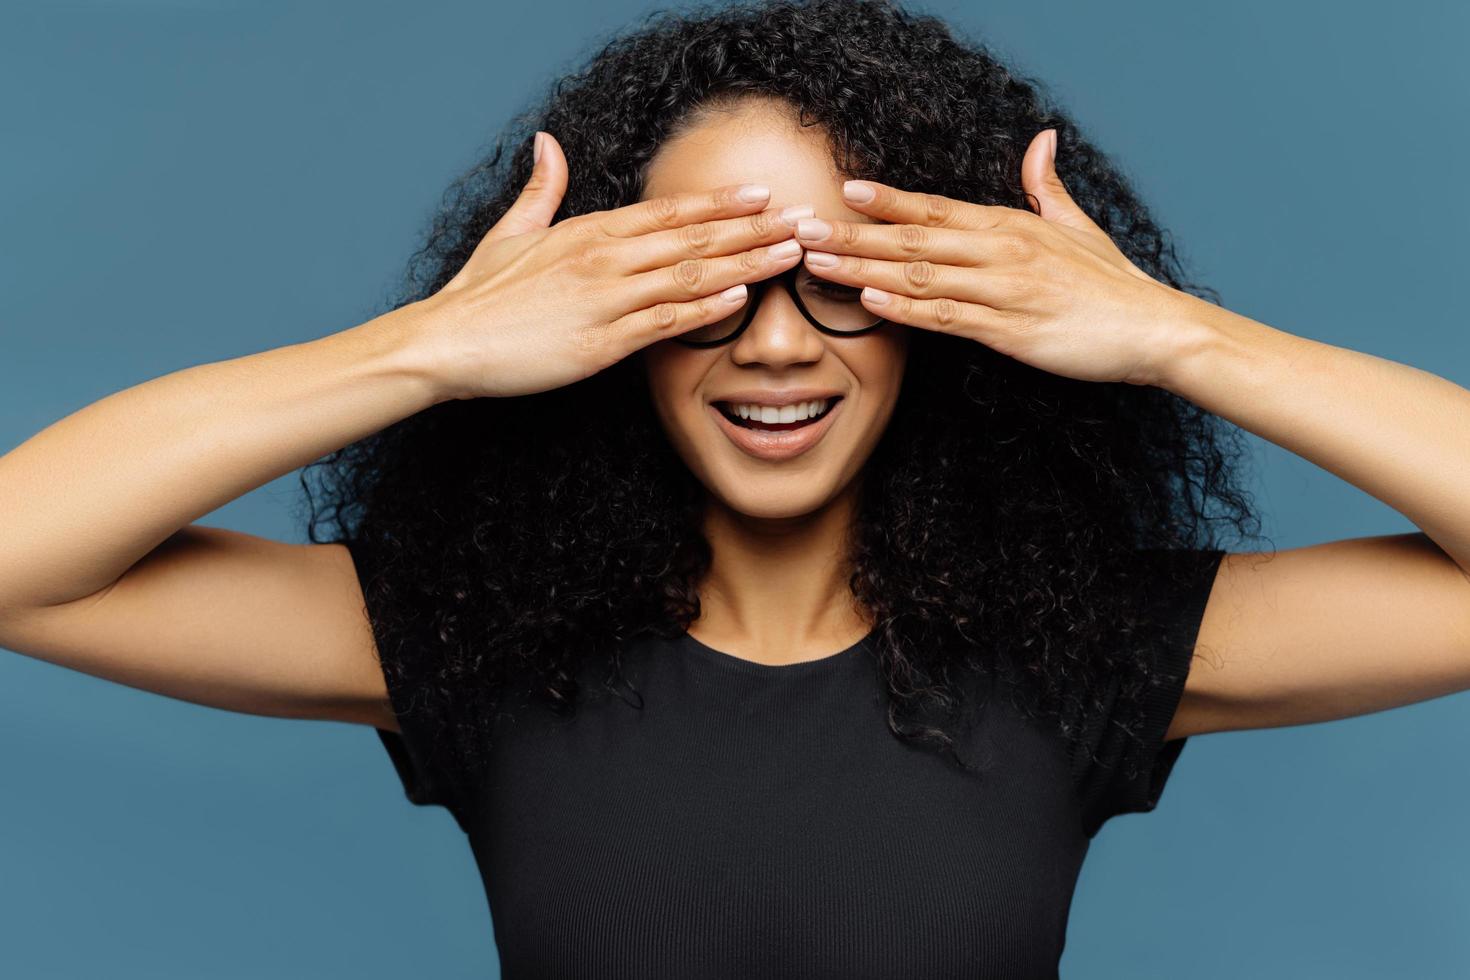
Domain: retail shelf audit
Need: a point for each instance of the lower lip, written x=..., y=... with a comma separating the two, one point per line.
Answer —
x=777, y=445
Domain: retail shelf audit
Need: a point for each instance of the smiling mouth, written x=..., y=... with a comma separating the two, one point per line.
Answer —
x=725, y=409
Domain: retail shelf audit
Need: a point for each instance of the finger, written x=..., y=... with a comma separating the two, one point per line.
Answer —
x=541, y=196
x=921, y=279
x=673, y=210
x=942, y=314
x=663, y=320
x=723, y=236
x=911, y=207
x=910, y=242
x=693, y=278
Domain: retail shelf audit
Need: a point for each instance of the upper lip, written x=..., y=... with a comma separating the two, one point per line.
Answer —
x=776, y=397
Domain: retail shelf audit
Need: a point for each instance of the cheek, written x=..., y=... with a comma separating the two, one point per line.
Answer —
x=672, y=374
x=879, y=366
x=660, y=372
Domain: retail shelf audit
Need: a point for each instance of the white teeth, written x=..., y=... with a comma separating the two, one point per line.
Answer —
x=783, y=413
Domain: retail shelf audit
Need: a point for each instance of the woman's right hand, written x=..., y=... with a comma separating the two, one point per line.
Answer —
x=539, y=306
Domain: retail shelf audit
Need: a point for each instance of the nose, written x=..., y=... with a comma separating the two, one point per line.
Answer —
x=778, y=335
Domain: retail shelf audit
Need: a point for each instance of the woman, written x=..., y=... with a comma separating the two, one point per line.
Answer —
x=775, y=575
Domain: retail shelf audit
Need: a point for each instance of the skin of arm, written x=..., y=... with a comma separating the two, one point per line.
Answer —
x=1345, y=627
x=103, y=572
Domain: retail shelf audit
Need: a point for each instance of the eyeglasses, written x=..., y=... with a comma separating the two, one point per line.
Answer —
x=832, y=307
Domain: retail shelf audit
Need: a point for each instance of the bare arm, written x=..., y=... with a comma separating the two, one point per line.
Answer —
x=102, y=570
x=1345, y=627
x=1327, y=631
x=88, y=496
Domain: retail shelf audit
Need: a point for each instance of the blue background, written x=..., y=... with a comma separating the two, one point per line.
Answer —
x=191, y=181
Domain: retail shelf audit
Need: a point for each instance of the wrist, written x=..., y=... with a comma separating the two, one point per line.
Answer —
x=413, y=349
x=1194, y=333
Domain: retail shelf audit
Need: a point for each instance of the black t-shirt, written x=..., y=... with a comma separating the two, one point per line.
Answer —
x=762, y=821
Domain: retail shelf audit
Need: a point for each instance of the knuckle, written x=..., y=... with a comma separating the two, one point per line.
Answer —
x=579, y=227
x=664, y=316
x=938, y=209
x=1017, y=248
x=703, y=308
x=697, y=238
x=691, y=274
x=724, y=198
x=912, y=239
x=752, y=261
x=665, y=211
x=587, y=339
x=847, y=233
x=946, y=311
x=919, y=275
x=591, y=258
x=762, y=223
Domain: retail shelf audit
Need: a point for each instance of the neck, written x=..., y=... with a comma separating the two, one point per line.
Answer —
x=777, y=590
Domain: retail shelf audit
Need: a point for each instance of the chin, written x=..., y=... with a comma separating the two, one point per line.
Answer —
x=773, y=495
x=768, y=508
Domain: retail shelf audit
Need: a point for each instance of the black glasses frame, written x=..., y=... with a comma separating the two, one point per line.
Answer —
x=757, y=291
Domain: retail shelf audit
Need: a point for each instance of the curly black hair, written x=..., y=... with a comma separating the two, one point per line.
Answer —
x=1001, y=512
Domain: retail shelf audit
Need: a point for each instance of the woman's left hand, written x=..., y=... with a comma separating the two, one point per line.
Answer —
x=1049, y=289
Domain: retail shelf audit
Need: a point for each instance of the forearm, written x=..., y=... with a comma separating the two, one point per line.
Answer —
x=83, y=499
x=1396, y=432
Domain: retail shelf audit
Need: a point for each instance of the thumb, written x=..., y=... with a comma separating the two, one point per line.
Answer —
x=540, y=197
x=1047, y=193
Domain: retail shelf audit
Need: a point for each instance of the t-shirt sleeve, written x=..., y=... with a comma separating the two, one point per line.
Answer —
x=1178, y=588
x=419, y=751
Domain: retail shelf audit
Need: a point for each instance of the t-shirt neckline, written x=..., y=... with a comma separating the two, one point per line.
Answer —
x=825, y=662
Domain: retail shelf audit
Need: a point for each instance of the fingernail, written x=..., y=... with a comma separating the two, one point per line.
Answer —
x=785, y=250
x=875, y=296
x=858, y=193
x=735, y=292
x=796, y=212
x=824, y=259
x=813, y=228
x=751, y=193
x=536, y=149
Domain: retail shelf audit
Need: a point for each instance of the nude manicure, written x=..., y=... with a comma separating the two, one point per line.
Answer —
x=796, y=212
